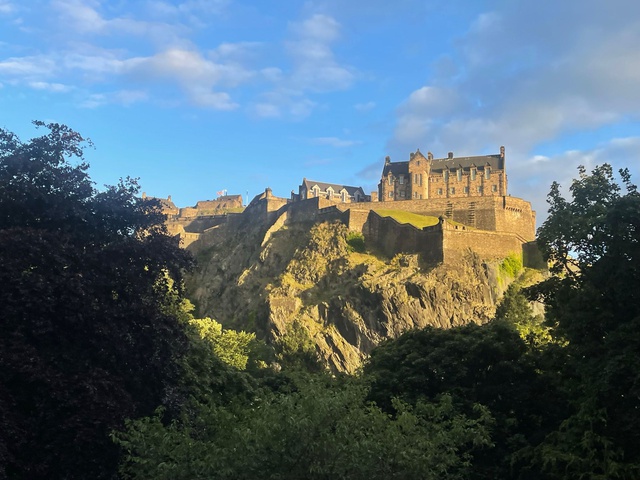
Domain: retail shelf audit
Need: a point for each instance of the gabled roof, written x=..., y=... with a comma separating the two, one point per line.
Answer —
x=323, y=186
x=493, y=161
x=438, y=164
x=396, y=168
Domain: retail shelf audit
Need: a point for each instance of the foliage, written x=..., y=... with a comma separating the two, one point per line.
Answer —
x=514, y=308
x=321, y=428
x=232, y=347
x=593, y=243
x=511, y=265
x=487, y=365
x=296, y=348
x=355, y=240
x=86, y=337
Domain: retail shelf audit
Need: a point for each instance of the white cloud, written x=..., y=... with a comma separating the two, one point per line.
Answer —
x=563, y=70
x=122, y=97
x=50, y=87
x=28, y=67
x=533, y=175
x=315, y=67
x=7, y=8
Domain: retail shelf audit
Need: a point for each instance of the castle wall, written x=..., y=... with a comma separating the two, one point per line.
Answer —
x=515, y=215
x=392, y=238
x=356, y=219
x=489, y=245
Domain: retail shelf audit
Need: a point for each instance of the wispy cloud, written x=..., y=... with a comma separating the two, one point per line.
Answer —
x=334, y=142
x=7, y=7
x=365, y=107
x=314, y=70
x=573, y=69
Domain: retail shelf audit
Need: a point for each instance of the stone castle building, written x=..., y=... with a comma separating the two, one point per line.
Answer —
x=423, y=178
x=468, y=196
x=331, y=191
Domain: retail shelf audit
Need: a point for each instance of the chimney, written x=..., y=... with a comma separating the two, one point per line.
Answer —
x=387, y=159
x=502, y=151
x=429, y=156
x=169, y=198
x=450, y=155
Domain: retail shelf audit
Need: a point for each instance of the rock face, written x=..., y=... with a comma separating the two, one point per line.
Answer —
x=265, y=278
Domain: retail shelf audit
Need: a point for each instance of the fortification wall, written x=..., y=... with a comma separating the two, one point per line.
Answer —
x=489, y=245
x=202, y=222
x=392, y=238
x=515, y=215
x=356, y=219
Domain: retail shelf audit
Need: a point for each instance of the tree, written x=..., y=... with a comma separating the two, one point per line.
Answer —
x=593, y=305
x=488, y=365
x=87, y=337
x=319, y=428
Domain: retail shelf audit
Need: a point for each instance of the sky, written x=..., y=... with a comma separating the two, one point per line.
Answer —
x=196, y=97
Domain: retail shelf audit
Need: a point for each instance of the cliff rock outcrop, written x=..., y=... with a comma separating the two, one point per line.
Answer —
x=266, y=277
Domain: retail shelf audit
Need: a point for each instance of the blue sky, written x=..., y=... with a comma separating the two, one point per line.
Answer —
x=198, y=96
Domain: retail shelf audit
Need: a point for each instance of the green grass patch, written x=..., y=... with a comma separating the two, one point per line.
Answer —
x=418, y=221
x=355, y=240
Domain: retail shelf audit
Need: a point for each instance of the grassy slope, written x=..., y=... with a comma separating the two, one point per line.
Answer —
x=414, y=219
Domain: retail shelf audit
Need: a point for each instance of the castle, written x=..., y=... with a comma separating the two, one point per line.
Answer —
x=467, y=194
x=425, y=177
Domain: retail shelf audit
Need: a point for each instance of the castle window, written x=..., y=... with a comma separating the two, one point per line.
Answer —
x=494, y=188
x=418, y=163
x=401, y=194
x=390, y=180
x=452, y=190
x=466, y=189
x=401, y=179
x=390, y=194
x=459, y=174
x=473, y=173
x=487, y=173
x=439, y=191
x=445, y=174
x=479, y=189
x=316, y=190
x=420, y=179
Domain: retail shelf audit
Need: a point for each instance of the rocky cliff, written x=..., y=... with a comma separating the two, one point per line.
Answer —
x=268, y=277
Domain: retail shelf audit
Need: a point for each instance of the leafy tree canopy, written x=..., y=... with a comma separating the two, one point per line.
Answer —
x=86, y=335
x=593, y=304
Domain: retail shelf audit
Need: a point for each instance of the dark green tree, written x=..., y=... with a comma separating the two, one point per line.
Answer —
x=593, y=305
x=315, y=427
x=474, y=364
x=87, y=338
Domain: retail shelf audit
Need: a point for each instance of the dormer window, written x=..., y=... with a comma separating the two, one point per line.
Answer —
x=459, y=172
x=329, y=193
x=472, y=173
x=401, y=179
x=316, y=191
x=445, y=175
x=390, y=180
x=487, y=173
